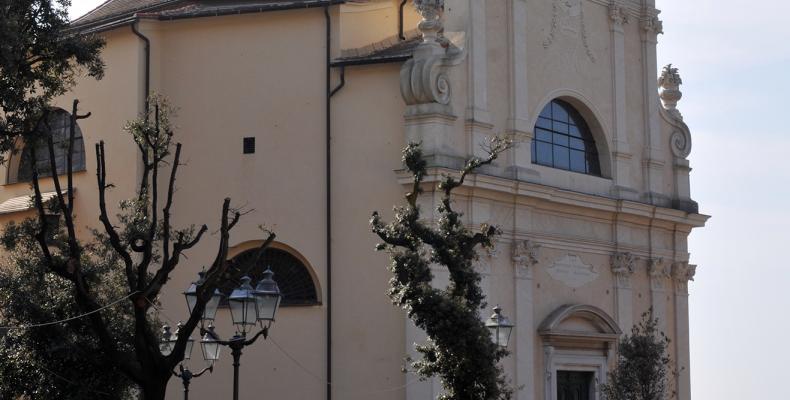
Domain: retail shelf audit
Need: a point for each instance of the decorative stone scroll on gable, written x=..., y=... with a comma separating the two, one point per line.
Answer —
x=623, y=268
x=682, y=273
x=425, y=85
x=525, y=256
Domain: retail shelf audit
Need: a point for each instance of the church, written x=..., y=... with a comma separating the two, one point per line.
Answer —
x=298, y=110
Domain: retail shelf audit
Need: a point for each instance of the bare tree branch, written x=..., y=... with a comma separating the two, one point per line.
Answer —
x=112, y=234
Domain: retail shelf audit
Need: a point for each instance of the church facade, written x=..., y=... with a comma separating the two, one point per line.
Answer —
x=298, y=110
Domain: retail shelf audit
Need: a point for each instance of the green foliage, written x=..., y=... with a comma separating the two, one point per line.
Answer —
x=63, y=361
x=643, y=362
x=459, y=350
x=39, y=60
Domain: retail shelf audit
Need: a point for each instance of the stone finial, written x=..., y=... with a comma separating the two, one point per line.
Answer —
x=669, y=89
x=432, y=23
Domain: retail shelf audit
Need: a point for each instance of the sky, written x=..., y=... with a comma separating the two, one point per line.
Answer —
x=734, y=58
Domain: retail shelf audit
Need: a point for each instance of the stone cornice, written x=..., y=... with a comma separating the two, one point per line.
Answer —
x=526, y=192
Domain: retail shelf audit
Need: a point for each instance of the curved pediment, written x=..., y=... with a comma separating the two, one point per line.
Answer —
x=580, y=322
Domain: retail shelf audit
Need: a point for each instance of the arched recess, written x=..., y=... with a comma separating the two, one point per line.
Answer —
x=592, y=117
x=578, y=344
x=293, y=273
x=58, y=125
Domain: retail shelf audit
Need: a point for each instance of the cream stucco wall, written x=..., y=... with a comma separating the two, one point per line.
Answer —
x=263, y=76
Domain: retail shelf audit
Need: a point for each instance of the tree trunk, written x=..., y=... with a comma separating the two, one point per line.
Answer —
x=154, y=391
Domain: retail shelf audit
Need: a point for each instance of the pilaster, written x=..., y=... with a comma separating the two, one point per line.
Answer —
x=659, y=271
x=682, y=273
x=478, y=119
x=525, y=257
x=518, y=116
x=622, y=269
x=653, y=166
x=618, y=17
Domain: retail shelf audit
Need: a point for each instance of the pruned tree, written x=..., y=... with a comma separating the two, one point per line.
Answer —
x=39, y=60
x=643, y=364
x=459, y=349
x=142, y=244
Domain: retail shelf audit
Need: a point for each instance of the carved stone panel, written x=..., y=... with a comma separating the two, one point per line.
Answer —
x=572, y=271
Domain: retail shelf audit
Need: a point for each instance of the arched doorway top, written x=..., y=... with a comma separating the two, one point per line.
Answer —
x=580, y=321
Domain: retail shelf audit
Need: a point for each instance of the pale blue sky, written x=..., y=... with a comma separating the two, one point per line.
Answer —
x=734, y=57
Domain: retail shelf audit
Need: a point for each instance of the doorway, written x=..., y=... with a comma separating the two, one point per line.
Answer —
x=574, y=385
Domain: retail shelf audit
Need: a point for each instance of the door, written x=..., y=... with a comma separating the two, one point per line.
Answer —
x=574, y=385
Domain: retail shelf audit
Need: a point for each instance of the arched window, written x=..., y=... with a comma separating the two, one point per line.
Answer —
x=563, y=140
x=58, y=125
x=291, y=275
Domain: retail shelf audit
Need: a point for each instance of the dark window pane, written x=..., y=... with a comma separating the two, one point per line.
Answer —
x=558, y=112
x=578, y=161
x=561, y=139
x=543, y=135
x=58, y=126
x=560, y=127
x=293, y=277
x=546, y=113
x=593, y=166
x=544, y=123
x=561, y=157
x=544, y=153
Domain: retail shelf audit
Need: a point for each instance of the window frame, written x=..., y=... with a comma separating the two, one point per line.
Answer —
x=20, y=156
x=553, y=136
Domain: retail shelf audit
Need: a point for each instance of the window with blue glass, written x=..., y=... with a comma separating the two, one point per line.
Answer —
x=563, y=140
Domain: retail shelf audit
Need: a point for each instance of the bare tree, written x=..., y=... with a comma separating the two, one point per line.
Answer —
x=148, y=248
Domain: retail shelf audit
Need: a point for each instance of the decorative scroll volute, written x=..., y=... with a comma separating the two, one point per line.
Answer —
x=423, y=79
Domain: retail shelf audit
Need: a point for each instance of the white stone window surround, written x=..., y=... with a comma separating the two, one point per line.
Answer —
x=574, y=360
x=577, y=337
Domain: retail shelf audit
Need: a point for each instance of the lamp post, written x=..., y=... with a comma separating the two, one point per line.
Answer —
x=500, y=327
x=166, y=347
x=248, y=307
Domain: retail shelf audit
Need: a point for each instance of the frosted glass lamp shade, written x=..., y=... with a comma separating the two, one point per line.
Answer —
x=243, y=309
x=500, y=327
x=267, y=297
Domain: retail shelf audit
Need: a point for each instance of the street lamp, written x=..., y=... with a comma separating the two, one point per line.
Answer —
x=248, y=307
x=243, y=305
x=500, y=327
x=211, y=306
x=168, y=343
x=267, y=297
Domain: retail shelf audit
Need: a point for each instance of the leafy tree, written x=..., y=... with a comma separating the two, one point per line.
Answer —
x=57, y=361
x=134, y=255
x=39, y=60
x=643, y=364
x=459, y=349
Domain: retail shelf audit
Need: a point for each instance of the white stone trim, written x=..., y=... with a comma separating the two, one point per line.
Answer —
x=572, y=360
